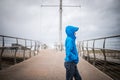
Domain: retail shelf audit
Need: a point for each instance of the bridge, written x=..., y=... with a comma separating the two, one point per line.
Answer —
x=49, y=65
x=29, y=60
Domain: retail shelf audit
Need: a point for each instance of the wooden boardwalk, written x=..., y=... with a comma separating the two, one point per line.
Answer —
x=49, y=65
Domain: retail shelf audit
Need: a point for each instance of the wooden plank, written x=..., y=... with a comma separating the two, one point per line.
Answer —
x=49, y=65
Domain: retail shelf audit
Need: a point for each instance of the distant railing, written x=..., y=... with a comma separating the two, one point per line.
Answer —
x=102, y=52
x=15, y=43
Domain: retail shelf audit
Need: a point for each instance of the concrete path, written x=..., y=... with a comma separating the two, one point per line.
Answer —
x=49, y=65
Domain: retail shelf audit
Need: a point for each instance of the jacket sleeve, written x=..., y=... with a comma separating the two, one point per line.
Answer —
x=70, y=47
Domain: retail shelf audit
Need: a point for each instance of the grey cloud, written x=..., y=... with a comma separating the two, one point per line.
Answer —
x=25, y=18
x=103, y=15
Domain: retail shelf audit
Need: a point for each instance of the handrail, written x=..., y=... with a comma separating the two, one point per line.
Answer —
x=109, y=54
x=18, y=45
x=101, y=48
x=102, y=38
x=17, y=38
x=94, y=40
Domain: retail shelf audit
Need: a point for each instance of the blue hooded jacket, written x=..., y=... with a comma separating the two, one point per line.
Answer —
x=70, y=46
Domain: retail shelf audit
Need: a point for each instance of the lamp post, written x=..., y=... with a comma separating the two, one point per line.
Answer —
x=60, y=21
x=60, y=27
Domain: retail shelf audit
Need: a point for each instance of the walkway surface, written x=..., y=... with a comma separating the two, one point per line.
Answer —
x=49, y=65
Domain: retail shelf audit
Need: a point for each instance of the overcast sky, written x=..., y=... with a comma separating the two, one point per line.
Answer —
x=27, y=19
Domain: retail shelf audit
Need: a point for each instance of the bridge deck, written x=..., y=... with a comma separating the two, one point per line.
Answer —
x=49, y=65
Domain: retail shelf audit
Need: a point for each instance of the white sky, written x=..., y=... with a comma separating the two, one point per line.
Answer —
x=26, y=19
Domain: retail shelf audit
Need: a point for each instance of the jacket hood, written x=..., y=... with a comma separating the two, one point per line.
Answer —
x=70, y=30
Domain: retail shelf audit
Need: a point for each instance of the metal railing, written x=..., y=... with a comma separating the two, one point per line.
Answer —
x=104, y=53
x=15, y=44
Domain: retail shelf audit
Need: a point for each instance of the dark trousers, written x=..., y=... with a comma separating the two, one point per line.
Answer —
x=72, y=71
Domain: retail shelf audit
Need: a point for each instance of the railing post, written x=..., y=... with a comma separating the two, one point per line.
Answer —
x=15, y=52
x=88, y=57
x=31, y=48
x=38, y=48
x=24, y=51
x=3, y=44
x=83, y=49
x=79, y=48
x=35, y=48
x=93, y=49
x=103, y=50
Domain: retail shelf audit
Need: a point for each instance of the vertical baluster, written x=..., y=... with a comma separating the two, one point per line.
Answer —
x=3, y=44
x=31, y=48
x=16, y=48
x=79, y=48
x=88, y=57
x=83, y=49
x=24, y=50
x=93, y=49
x=35, y=48
x=38, y=47
x=104, y=54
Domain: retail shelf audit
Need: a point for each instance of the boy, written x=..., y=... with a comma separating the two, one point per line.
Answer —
x=71, y=59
